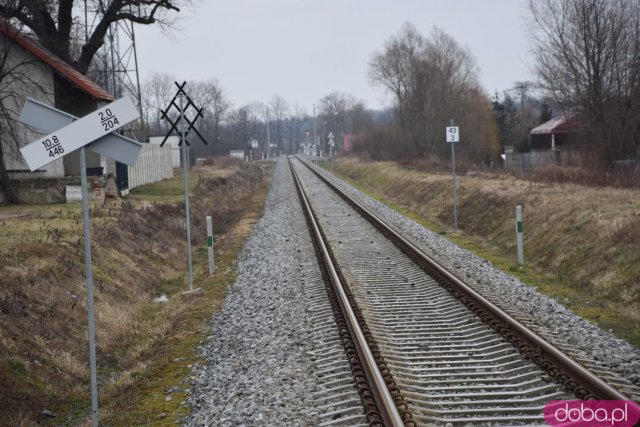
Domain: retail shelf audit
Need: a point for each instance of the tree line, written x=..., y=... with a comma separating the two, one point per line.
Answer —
x=587, y=62
x=227, y=127
x=432, y=80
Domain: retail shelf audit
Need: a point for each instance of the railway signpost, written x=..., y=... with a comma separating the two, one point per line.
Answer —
x=64, y=139
x=48, y=119
x=184, y=125
x=332, y=144
x=453, y=133
x=452, y=136
x=210, y=241
x=519, y=235
x=78, y=133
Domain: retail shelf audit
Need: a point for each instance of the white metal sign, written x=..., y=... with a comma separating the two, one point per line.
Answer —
x=48, y=119
x=453, y=134
x=80, y=133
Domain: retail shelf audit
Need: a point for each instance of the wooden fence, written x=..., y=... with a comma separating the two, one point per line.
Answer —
x=527, y=162
x=153, y=164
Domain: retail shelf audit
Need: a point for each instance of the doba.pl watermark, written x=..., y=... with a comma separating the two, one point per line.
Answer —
x=592, y=413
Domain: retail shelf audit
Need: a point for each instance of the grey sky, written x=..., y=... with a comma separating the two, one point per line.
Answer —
x=303, y=50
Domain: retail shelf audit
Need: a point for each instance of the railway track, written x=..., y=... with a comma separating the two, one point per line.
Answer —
x=431, y=349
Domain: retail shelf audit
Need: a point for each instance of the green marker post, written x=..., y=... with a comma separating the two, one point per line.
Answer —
x=210, y=244
x=519, y=234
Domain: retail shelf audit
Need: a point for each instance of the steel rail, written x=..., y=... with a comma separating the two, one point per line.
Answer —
x=569, y=373
x=384, y=401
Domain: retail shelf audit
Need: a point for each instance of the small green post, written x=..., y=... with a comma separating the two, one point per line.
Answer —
x=210, y=244
x=519, y=234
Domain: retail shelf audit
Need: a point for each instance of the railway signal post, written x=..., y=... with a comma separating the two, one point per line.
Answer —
x=519, y=234
x=453, y=136
x=210, y=240
x=183, y=125
x=64, y=139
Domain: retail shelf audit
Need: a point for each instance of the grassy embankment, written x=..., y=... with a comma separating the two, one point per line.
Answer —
x=581, y=244
x=139, y=252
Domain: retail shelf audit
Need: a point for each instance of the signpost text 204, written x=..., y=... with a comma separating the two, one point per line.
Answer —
x=108, y=120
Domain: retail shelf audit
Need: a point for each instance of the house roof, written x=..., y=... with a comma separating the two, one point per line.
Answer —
x=63, y=69
x=567, y=123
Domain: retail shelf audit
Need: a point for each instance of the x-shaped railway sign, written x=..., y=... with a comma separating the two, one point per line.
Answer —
x=182, y=109
x=49, y=120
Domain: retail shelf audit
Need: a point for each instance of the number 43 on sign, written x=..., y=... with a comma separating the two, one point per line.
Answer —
x=453, y=134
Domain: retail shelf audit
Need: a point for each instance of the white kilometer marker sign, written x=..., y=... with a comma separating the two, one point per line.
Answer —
x=48, y=119
x=63, y=141
x=79, y=133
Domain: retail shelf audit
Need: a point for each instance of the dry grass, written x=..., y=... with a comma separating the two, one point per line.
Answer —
x=592, y=177
x=178, y=350
x=138, y=253
x=582, y=244
x=65, y=361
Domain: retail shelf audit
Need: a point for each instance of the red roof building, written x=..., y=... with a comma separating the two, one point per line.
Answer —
x=559, y=132
x=43, y=76
x=62, y=69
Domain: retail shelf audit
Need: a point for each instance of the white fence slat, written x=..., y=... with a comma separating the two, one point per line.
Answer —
x=153, y=164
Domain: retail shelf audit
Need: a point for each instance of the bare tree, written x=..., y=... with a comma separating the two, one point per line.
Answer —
x=588, y=61
x=279, y=110
x=210, y=96
x=244, y=124
x=295, y=126
x=52, y=22
x=449, y=84
x=359, y=118
x=396, y=68
x=433, y=80
x=334, y=107
x=334, y=111
x=157, y=92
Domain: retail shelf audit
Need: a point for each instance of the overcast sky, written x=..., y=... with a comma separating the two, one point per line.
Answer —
x=303, y=50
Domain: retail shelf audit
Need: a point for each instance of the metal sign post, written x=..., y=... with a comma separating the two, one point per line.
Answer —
x=453, y=136
x=185, y=168
x=89, y=275
x=61, y=141
x=331, y=147
x=210, y=240
x=183, y=125
x=519, y=234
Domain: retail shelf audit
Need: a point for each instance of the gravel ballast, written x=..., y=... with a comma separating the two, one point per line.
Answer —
x=259, y=360
x=547, y=316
